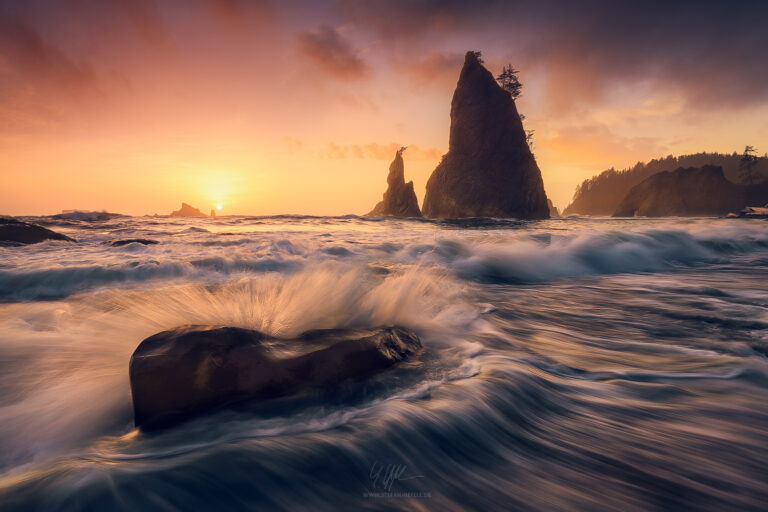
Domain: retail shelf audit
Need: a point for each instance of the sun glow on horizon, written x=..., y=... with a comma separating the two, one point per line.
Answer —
x=218, y=207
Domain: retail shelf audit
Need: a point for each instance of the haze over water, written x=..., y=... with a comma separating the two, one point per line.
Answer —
x=569, y=364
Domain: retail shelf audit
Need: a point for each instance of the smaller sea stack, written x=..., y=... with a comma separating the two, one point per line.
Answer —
x=553, y=211
x=399, y=199
x=187, y=211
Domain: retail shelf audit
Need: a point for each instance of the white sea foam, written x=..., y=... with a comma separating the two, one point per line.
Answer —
x=547, y=382
x=67, y=362
x=513, y=256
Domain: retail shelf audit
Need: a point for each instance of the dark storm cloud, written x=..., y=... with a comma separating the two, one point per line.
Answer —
x=34, y=36
x=712, y=52
x=39, y=82
x=144, y=15
x=240, y=15
x=332, y=53
x=227, y=11
x=27, y=54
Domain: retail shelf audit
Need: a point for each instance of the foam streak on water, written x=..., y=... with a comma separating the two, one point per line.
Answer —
x=577, y=364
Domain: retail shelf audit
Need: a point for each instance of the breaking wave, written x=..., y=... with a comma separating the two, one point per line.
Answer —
x=513, y=257
x=635, y=391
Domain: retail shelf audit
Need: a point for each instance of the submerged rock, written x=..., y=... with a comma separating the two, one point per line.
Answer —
x=16, y=231
x=187, y=211
x=399, y=199
x=143, y=241
x=187, y=371
x=489, y=170
x=82, y=215
x=685, y=192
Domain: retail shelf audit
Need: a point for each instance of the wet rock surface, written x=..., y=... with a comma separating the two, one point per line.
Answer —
x=14, y=231
x=184, y=372
x=143, y=241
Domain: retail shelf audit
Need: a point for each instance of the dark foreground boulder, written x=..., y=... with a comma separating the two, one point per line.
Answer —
x=15, y=231
x=183, y=372
x=143, y=241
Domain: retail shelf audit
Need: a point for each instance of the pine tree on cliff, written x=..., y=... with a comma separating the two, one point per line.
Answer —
x=747, y=166
x=489, y=170
x=510, y=82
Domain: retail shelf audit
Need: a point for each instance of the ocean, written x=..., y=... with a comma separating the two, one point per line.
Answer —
x=577, y=364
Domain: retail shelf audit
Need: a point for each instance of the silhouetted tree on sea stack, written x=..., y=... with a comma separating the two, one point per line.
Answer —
x=510, y=81
x=529, y=137
x=489, y=170
x=747, y=165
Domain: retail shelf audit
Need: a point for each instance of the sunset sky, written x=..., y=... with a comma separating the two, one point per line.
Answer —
x=133, y=106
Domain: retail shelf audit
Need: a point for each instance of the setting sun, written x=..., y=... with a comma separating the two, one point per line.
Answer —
x=218, y=207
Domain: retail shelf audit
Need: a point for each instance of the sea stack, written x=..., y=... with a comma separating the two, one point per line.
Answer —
x=489, y=170
x=399, y=199
x=187, y=211
x=553, y=211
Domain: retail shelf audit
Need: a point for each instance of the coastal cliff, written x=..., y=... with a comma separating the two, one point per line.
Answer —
x=689, y=192
x=602, y=193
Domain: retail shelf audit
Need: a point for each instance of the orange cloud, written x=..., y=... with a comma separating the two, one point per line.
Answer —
x=595, y=146
x=376, y=151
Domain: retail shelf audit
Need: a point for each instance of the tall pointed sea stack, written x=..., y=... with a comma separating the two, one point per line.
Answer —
x=399, y=199
x=489, y=170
